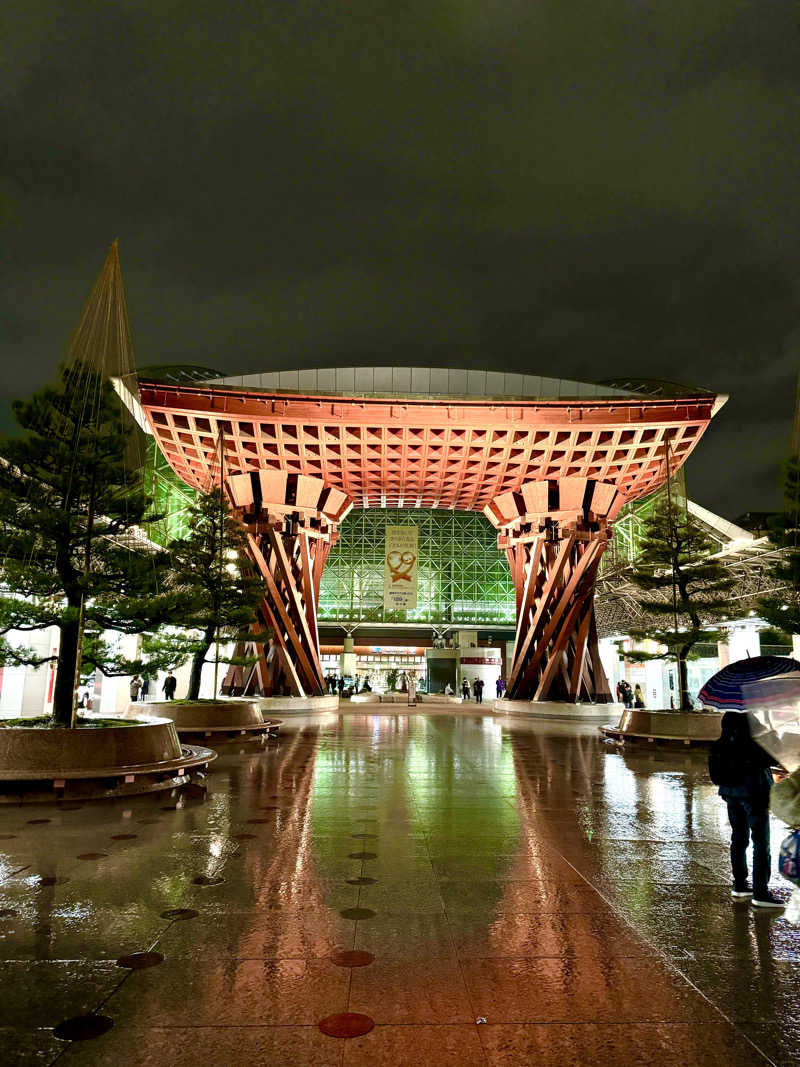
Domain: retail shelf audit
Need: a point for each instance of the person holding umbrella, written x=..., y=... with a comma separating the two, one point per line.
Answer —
x=741, y=769
x=744, y=781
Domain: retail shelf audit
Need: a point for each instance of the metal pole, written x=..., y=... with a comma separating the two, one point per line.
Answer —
x=673, y=549
x=221, y=543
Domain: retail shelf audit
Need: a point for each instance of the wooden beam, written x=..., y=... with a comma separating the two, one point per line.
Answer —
x=294, y=598
x=576, y=674
x=578, y=572
x=545, y=596
x=584, y=593
x=280, y=619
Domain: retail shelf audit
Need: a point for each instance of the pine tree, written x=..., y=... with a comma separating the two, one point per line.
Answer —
x=675, y=564
x=783, y=611
x=219, y=591
x=71, y=550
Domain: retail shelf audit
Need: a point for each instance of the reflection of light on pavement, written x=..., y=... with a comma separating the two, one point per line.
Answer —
x=667, y=798
x=493, y=730
x=619, y=785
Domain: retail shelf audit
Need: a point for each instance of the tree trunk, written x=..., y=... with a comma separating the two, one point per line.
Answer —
x=64, y=692
x=198, y=659
x=683, y=684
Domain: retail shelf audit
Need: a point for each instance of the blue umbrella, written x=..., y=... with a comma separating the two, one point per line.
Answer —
x=732, y=688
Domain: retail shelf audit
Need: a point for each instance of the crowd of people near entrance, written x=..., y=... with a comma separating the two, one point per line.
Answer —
x=141, y=688
x=336, y=684
x=630, y=698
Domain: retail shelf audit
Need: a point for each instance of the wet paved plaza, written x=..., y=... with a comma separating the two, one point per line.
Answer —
x=517, y=892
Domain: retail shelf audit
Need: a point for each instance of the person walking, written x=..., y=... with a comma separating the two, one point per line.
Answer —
x=477, y=688
x=136, y=685
x=627, y=693
x=638, y=696
x=144, y=692
x=340, y=687
x=620, y=693
x=170, y=685
x=465, y=690
x=740, y=768
x=500, y=686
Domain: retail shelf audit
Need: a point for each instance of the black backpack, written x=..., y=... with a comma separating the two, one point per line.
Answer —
x=725, y=765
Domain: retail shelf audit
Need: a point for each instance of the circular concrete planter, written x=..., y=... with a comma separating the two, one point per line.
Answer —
x=214, y=718
x=134, y=757
x=298, y=705
x=675, y=727
x=439, y=698
x=551, y=709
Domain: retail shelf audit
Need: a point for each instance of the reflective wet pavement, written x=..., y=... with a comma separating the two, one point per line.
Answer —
x=517, y=892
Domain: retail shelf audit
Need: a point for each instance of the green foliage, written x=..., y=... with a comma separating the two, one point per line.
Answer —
x=70, y=511
x=783, y=612
x=219, y=591
x=391, y=679
x=675, y=562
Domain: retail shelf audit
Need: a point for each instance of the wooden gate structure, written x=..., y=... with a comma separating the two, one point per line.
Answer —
x=550, y=474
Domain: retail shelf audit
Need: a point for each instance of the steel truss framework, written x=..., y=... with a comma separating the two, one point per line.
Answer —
x=463, y=576
x=549, y=470
x=617, y=599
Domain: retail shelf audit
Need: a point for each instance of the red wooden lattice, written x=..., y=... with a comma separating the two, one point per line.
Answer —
x=551, y=476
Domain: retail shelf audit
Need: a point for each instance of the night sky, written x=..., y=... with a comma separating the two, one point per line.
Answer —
x=577, y=189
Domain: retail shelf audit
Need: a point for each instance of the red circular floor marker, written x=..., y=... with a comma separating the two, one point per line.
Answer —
x=346, y=1024
x=352, y=958
x=179, y=913
x=139, y=961
x=83, y=1027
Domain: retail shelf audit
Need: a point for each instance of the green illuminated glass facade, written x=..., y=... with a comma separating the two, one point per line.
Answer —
x=463, y=576
x=171, y=496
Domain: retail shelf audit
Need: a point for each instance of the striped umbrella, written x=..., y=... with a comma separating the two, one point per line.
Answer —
x=746, y=682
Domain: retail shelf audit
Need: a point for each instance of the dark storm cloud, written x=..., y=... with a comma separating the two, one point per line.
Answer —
x=581, y=189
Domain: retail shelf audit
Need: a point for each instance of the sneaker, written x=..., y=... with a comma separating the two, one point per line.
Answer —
x=741, y=892
x=767, y=900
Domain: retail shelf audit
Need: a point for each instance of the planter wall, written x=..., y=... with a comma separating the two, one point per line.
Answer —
x=298, y=705
x=702, y=726
x=29, y=753
x=208, y=715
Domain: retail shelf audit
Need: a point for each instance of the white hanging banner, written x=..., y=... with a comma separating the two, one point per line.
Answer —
x=400, y=569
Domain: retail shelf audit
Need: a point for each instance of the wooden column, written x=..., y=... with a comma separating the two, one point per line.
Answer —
x=291, y=521
x=554, y=534
x=555, y=652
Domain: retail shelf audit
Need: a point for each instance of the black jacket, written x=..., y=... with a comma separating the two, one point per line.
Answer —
x=754, y=778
